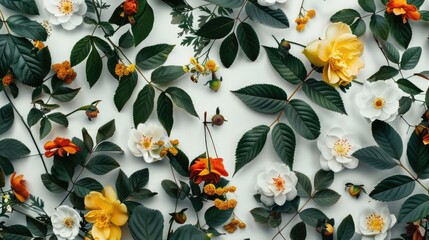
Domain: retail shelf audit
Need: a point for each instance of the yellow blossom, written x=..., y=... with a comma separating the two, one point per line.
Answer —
x=38, y=44
x=212, y=66
x=209, y=189
x=199, y=68
x=193, y=61
x=300, y=27
x=173, y=151
x=311, y=13
x=185, y=68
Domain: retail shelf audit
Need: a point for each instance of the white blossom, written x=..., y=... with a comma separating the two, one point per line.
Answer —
x=67, y=13
x=66, y=222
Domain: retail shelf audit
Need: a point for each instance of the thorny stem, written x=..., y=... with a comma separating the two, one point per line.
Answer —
x=4, y=21
x=29, y=131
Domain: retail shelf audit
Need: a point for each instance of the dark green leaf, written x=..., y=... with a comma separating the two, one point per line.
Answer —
x=65, y=94
x=227, y=3
x=189, y=232
x=304, y=185
x=139, y=179
x=12, y=148
x=80, y=50
x=425, y=15
x=101, y=164
x=390, y=50
x=59, y=118
x=6, y=118
x=298, y=232
x=411, y=58
x=404, y=105
x=260, y=215
x=248, y=40
x=94, y=67
x=17, y=232
x=125, y=89
x=23, y=6
x=408, y=86
x=106, y=131
x=417, y=3
x=166, y=74
x=385, y=72
x=414, y=208
x=375, y=157
x=323, y=179
x=228, y=50
x=27, y=28
x=77, y=202
x=108, y=147
x=164, y=111
x=264, y=98
x=153, y=56
x=53, y=184
x=216, y=28
x=6, y=166
x=144, y=23
x=418, y=156
x=107, y=28
x=347, y=16
x=303, y=119
x=368, y=5
x=400, y=31
x=311, y=216
x=387, y=138
x=171, y=189
x=87, y=140
x=326, y=197
x=250, y=145
x=86, y=185
x=146, y=224
x=36, y=227
x=182, y=100
x=324, y=95
x=284, y=143
x=180, y=163
x=143, y=194
x=265, y=15
x=358, y=28
x=126, y=40
x=102, y=45
x=289, y=67
x=346, y=229
x=393, y=188
x=123, y=186
x=144, y=104
x=379, y=27
x=215, y=217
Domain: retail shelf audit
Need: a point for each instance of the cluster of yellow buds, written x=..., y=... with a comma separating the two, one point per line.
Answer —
x=64, y=71
x=196, y=68
x=39, y=45
x=122, y=70
x=225, y=204
x=172, y=149
x=234, y=225
x=303, y=20
x=210, y=189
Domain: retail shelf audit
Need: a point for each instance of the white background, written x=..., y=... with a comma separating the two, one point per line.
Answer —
x=189, y=130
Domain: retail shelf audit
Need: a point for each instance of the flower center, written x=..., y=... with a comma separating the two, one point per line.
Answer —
x=375, y=222
x=336, y=61
x=279, y=182
x=65, y=7
x=68, y=222
x=103, y=219
x=342, y=147
x=378, y=103
x=146, y=142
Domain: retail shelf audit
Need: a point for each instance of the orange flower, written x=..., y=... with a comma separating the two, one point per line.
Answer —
x=61, y=146
x=131, y=7
x=402, y=8
x=7, y=80
x=18, y=187
x=201, y=171
x=64, y=71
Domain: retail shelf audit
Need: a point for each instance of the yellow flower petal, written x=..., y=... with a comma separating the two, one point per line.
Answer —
x=337, y=29
x=312, y=53
x=115, y=233
x=101, y=233
x=119, y=215
x=324, y=52
x=110, y=193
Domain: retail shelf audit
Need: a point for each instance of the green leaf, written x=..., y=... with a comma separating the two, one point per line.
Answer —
x=36, y=227
x=289, y=67
x=228, y=50
x=153, y=56
x=126, y=40
x=106, y=131
x=87, y=140
x=417, y=3
x=264, y=98
x=404, y=105
x=323, y=179
x=265, y=15
x=45, y=127
x=80, y=50
x=146, y=224
x=189, y=232
x=326, y=197
x=108, y=147
x=260, y=215
x=408, y=87
x=125, y=89
x=139, y=179
x=53, y=184
x=346, y=229
x=143, y=194
x=414, y=208
x=393, y=188
x=375, y=157
x=173, y=190
x=367, y=5
x=379, y=27
x=123, y=186
x=411, y=58
x=216, y=28
x=385, y=72
x=101, y=164
x=400, y=31
x=27, y=28
x=107, y=28
x=298, y=232
x=324, y=95
x=284, y=143
x=86, y=185
x=418, y=156
x=23, y=6
x=17, y=232
x=164, y=111
x=6, y=118
x=425, y=15
x=59, y=118
x=102, y=45
x=94, y=67
x=358, y=28
x=347, y=16
x=182, y=100
x=144, y=23
x=304, y=185
x=180, y=163
x=250, y=145
x=65, y=94
x=387, y=138
x=311, y=216
x=144, y=104
x=248, y=40
x=390, y=50
x=215, y=217
x=167, y=74
x=227, y=3
x=303, y=119
x=12, y=148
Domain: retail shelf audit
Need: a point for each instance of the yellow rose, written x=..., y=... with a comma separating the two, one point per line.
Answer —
x=107, y=213
x=339, y=54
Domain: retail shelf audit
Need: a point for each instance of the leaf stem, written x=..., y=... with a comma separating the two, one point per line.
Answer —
x=412, y=176
x=4, y=21
x=29, y=131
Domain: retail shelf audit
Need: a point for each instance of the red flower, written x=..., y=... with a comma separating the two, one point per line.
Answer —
x=60, y=146
x=18, y=187
x=402, y=8
x=201, y=171
x=131, y=7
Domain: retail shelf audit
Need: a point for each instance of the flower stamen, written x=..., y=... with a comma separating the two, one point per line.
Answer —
x=378, y=103
x=375, y=222
x=342, y=147
x=279, y=182
x=65, y=7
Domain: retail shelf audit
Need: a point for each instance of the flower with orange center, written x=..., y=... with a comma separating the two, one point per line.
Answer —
x=131, y=7
x=403, y=9
x=7, y=80
x=210, y=172
x=60, y=146
x=107, y=214
x=18, y=187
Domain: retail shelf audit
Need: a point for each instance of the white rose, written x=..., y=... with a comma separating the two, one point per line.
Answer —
x=66, y=222
x=374, y=224
x=147, y=141
x=67, y=13
x=270, y=3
